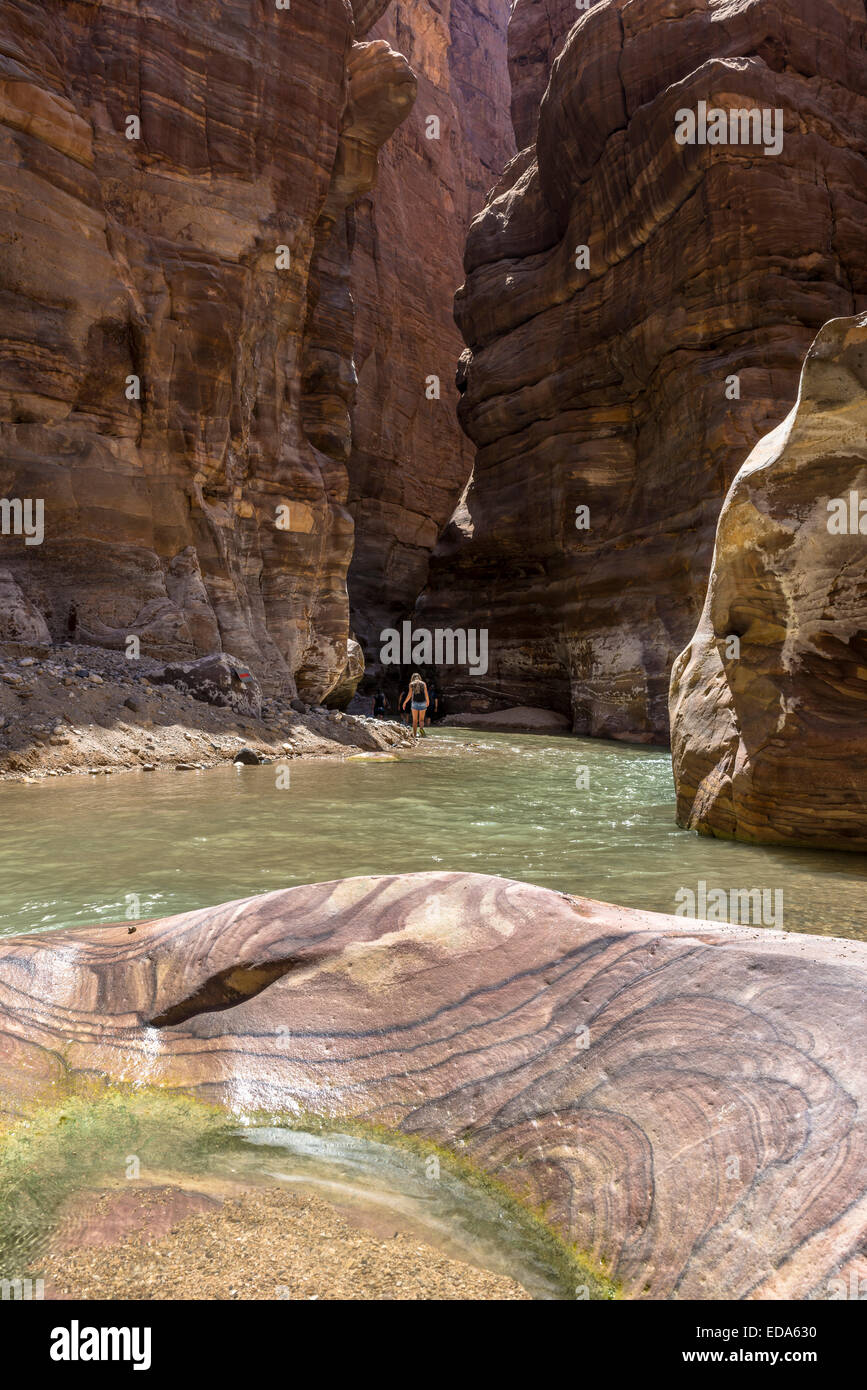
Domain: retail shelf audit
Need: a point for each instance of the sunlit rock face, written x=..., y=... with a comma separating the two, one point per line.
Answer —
x=410, y=458
x=175, y=386
x=631, y=378
x=768, y=701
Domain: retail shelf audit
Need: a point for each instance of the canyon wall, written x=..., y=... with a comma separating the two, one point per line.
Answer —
x=176, y=373
x=410, y=459
x=768, y=701
x=636, y=311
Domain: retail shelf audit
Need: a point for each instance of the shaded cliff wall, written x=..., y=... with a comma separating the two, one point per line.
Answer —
x=632, y=378
x=410, y=459
x=172, y=384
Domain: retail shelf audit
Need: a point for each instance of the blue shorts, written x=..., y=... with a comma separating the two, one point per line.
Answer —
x=418, y=704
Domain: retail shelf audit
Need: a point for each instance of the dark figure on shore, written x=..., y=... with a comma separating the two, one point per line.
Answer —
x=418, y=696
x=380, y=705
x=434, y=703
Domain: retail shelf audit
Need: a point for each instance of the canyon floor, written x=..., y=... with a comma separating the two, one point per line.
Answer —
x=83, y=710
x=166, y=1243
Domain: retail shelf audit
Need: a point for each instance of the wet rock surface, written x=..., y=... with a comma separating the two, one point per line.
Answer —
x=672, y=1093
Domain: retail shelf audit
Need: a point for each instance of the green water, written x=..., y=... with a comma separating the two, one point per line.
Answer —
x=78, y=850
x=48, y=1168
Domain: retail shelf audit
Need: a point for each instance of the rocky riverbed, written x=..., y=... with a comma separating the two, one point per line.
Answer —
x=81, y=709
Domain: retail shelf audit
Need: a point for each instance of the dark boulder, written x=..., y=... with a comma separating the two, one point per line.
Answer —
x=218, y=679
x=247, y=755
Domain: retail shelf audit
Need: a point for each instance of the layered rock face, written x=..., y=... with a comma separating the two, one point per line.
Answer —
x=670, y=1092
x=176, y=373
x=769, y=700
x=636, y=310
x=410, y=459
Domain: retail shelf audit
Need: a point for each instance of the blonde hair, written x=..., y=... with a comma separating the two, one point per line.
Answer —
x=415, y=681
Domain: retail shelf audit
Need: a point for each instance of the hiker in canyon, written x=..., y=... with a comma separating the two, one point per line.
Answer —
x=418, y=696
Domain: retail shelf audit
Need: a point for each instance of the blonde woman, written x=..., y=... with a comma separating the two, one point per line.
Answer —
x=418, y=700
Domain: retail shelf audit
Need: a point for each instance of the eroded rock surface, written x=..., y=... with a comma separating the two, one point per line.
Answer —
x=176, y=374
x=611, y=387
x=769, y=700
x=687, y=1099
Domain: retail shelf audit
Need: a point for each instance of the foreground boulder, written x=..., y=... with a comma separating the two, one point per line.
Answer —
x=768, y=701
x=687, y=1100
x=218, y=679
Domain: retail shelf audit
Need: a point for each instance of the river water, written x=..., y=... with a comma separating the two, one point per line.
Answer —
x=584, y=816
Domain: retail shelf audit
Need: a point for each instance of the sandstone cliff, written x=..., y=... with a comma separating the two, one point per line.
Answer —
x=410, y=459
x=769, y=730
x=630, y=379
x=176, y=357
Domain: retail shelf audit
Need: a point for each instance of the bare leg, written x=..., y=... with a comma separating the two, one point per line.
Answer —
x=415, y=723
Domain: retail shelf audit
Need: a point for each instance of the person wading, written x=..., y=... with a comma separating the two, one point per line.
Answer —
x=418, y=695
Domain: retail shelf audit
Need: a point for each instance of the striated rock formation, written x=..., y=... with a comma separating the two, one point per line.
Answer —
x=176, y=353
x=538, y=30
x=410, y=459
x=631, y=378
x=668, y=1090
x=769, y=732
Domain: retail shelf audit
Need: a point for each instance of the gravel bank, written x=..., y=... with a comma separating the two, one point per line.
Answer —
x=88, y=710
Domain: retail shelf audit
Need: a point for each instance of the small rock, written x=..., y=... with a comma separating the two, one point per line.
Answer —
x=248, y=756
